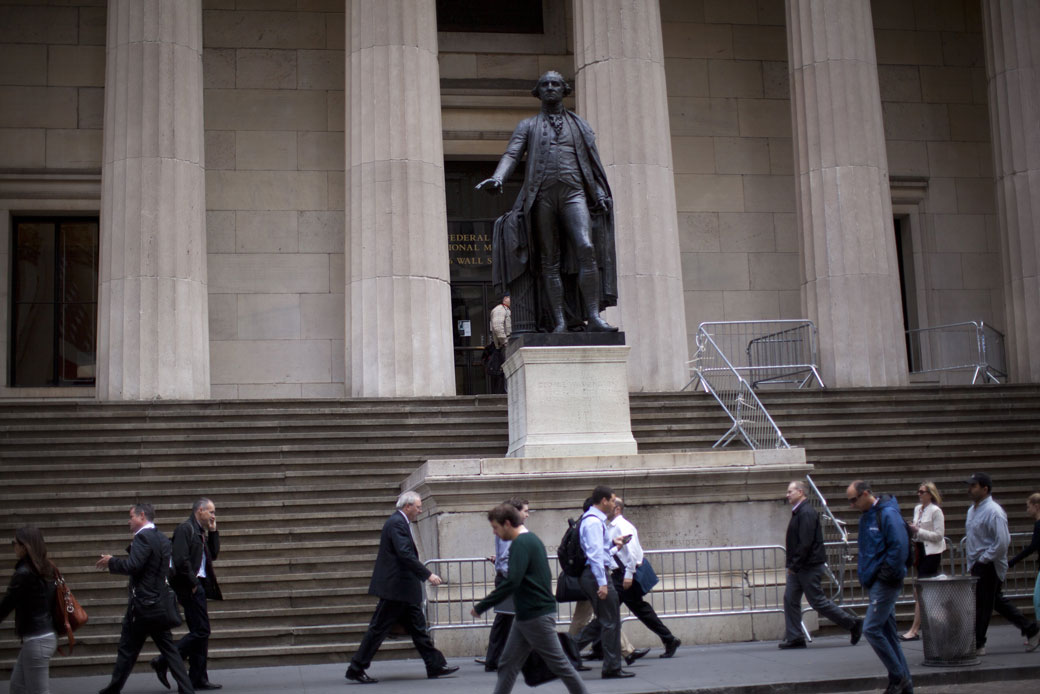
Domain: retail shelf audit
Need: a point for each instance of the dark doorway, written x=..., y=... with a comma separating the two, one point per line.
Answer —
x=53, y=301
x=471, y=218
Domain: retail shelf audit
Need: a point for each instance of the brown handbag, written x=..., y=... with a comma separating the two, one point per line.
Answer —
x=69, y=615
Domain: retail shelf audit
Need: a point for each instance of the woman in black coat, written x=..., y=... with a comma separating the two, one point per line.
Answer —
x=31, y=596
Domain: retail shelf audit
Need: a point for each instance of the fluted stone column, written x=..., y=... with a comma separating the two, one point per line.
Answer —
x=399, y=322
x=848, y=255
x=620, y=89
x=1012, y=28
x=153, y=325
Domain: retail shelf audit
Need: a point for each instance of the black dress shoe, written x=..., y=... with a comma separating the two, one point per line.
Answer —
x=582, y=668
x=797, y=643
x=360, y=677
x=160, y=671
x=446, y=670
x=857, y=632
x=207, y=685
x=636, y=655
x=671, y=648
x=617, y=674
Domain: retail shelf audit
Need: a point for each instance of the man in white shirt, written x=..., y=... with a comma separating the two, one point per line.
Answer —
x=629, y=553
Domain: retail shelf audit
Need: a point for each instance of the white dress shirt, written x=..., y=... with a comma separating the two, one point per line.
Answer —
x=631, y=554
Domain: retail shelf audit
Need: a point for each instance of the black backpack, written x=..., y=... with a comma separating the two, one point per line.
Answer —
x=570, y=554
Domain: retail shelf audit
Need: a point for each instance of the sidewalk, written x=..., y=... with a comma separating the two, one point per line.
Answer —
x=829, y=664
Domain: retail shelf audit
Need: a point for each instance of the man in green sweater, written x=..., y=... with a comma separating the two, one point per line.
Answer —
x=530, y=583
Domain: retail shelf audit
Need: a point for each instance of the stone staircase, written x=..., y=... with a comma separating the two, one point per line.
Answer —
x=302, y=487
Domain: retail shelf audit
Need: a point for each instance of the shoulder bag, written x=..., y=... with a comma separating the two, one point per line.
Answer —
x=69, y=615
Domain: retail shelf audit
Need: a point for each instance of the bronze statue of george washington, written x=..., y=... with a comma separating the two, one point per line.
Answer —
x=554, y=250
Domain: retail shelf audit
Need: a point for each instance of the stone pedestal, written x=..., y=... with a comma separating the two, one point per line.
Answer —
x=1013, y=88
x=851, y=273
x=153, y=313
x=620, y=90
x=398, y=298
x=677, y=500
x=570, y=398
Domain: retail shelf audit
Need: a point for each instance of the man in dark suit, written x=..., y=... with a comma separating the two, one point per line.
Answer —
x=397, y=582
x=148, y=567
x=196, y=543
x=806, y=558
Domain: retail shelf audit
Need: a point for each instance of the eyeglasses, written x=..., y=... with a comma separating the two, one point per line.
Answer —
x=854, y=499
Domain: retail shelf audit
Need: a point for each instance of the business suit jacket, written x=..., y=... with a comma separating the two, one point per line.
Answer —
x=188, y=556
x=805, y=539
x=398, y=574
x=147, y=565
x=532, y=137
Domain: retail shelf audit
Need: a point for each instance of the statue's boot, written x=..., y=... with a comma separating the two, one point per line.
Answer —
x=595, y=323
x=588, y=280
x=554, y=289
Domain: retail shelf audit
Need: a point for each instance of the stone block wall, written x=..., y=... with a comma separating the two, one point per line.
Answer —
x=933, y=92
x=274, y=95
x=52, y=74
x=729, y=103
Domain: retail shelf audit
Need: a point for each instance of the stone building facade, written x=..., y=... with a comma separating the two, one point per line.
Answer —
x=281, y=189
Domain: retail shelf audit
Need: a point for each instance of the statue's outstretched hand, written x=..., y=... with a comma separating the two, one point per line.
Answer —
x=492, y=186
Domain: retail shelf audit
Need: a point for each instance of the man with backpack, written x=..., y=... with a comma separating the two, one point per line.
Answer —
x=597, y=586
x=883, y=549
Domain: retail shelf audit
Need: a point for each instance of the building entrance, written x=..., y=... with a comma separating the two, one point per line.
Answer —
x=471, y=218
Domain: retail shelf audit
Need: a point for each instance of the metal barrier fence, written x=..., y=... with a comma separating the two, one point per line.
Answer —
x=767, y=352
x=957, y=347
x=710, y=582
x=751, y=421
x=847, y=591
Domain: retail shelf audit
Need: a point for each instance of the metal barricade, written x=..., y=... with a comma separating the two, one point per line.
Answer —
x=751, y=421
x=708, y=582
x=766, y=352
x=959, y=347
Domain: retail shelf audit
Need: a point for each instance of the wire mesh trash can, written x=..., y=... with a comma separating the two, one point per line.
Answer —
x=948, y=619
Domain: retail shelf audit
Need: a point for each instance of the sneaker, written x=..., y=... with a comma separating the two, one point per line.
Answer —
x=980, y=651
x=1034, y=642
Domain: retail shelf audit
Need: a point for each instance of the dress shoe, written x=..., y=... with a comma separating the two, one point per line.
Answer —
x=160, y=671
x=636, y=655
x=617, y=674
x=207, y=685
x=446, y=670
x=671, y=648
x=797, y=643
x=582, y=668
x=360, y=677
x=857, y=632
x=480, y=661
x=903, y=686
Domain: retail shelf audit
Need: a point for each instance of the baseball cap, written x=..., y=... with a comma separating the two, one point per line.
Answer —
x=982, y=479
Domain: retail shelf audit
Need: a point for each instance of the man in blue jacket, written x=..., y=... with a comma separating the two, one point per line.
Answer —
x=883, y=548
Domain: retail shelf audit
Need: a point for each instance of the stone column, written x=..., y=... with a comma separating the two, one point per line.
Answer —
x=399, y=314
x=1013, y=90
x=848, y=255
x=153, y=319
x=620, y=90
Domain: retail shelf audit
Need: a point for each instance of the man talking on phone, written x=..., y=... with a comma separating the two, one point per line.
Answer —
x=628, y=555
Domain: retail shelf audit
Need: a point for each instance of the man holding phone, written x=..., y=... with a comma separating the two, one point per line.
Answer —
x=628, y=555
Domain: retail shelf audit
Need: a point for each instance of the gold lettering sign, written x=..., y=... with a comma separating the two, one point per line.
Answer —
x=469, y=243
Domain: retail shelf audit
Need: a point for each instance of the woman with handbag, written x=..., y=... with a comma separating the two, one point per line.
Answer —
x=928, y=528
x=31, y=596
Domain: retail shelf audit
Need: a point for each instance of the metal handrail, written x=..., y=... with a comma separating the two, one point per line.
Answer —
x=768, y=352
x=695, y=582
x=959, y=346
x=717, y=375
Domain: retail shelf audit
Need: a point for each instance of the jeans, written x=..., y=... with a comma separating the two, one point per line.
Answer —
x=31, y=670
x=879, y=628
x=539, y=635
x=807, y=582
x=1036, y=598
